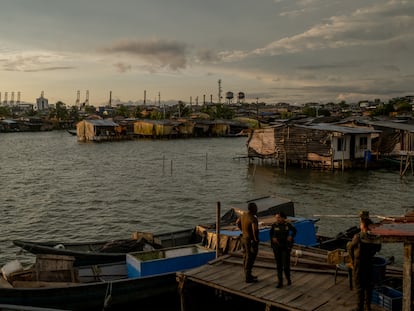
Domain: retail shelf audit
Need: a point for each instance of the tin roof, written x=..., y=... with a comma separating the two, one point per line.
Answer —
x=398, y=227
x=391, y=124
x=104, y=122
x=338, y=128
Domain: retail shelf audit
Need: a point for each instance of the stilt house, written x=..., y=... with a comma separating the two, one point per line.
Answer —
x=317, y=145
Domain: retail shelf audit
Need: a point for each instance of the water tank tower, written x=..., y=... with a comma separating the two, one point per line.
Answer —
x=229, y=97
x=240, y=97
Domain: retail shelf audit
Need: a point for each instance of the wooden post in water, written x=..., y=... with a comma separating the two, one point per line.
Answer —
x=206, y=160
x=163, y=164
x=218, y=229
x=171, y=167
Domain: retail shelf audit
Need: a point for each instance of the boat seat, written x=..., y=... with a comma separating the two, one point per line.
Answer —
x=343, y=266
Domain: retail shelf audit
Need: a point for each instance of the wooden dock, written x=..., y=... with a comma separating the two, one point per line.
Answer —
x=220, y=285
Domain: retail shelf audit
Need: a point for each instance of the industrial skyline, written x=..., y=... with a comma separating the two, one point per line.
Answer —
x=273, y=50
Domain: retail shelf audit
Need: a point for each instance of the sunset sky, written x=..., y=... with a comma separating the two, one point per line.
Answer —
x=294, y=51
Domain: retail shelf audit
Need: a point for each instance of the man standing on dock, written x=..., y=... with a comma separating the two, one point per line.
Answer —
x=249, y=226
x=362, y=249
x=282, y=234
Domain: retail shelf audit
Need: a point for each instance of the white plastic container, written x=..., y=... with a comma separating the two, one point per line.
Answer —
x=11, y=267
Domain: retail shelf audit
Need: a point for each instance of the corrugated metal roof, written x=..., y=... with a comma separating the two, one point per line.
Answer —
x=339, y=128
x=396, y=227
x=102, y=122
x=390, y=124
x=7, y=121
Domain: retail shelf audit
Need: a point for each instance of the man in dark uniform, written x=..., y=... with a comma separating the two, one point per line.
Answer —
x=248, y=223
x=282, y=234
x=362, y=249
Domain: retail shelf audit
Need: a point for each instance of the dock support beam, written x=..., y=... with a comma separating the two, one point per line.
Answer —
x=408, y=271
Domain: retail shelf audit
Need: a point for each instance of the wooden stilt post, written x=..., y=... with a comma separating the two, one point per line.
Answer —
x=181, y=282
x=218, y=229
x=407, y=276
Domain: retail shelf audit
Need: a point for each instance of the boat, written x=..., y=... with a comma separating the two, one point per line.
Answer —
x=145, y=278
x=72, y=132
x=26, y=308
x=97, y=252
x=268, y=206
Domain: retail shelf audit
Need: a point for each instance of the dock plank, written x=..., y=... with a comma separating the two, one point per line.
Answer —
x=311, y=290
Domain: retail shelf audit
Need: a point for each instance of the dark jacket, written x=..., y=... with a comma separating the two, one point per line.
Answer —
x=281, y=231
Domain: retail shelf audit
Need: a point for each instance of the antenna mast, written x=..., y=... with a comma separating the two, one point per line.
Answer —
x=219, y=90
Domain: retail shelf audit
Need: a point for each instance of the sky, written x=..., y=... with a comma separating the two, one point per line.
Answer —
x=294, y=51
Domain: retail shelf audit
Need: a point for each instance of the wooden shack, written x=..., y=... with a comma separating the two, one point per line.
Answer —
x=220, y=128
x=96, y=130
x=316, y=145
x=153, y=128
x=186, y=128
x=393, y=137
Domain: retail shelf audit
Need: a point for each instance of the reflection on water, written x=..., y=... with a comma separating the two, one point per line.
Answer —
x=54, y=188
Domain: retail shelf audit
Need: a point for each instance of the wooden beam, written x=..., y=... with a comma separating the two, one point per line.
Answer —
x=407, y=276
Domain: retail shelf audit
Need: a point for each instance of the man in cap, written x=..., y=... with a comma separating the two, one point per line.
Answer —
x=248, y=223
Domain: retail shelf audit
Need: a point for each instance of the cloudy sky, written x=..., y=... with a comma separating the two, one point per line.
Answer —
x=293, y=51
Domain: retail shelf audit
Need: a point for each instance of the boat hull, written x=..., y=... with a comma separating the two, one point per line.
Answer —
x=94, y=296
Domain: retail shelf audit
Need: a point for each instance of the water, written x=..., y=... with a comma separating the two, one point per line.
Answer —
x=54, y=188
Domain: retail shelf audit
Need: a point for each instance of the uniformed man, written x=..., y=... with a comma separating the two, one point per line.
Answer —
x=282, y=234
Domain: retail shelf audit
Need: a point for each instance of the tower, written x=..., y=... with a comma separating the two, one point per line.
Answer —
x=219, y=91
x=77, y=103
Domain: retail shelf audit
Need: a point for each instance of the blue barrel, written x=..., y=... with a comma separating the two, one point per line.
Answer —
x=378, y=272
x=367, y=155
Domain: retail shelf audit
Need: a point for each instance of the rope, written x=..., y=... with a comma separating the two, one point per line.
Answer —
x=108, y=296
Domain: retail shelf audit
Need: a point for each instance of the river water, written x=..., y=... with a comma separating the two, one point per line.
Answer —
x=55, y=188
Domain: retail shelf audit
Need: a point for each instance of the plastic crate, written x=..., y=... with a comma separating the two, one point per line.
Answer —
x=388, y=298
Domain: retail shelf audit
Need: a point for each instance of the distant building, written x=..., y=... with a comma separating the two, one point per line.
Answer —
x=42, y=103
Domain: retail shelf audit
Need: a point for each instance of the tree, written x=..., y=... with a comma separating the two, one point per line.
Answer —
x=5, y=112
x=309, y=111
x=383, y=110
x=122, y=111
x=403, y=107
x=61, y=111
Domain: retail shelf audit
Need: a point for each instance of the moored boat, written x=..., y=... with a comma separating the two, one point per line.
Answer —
x=146, y=277
x=97, y=252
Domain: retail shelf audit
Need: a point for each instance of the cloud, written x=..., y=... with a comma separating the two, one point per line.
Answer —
x=50, y=68
x=33, y=62
x=160, y=53
x=375, y=26
x=207, y=56
x=122, y=67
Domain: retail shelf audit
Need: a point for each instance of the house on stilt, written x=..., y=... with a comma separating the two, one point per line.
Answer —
x=323, y=145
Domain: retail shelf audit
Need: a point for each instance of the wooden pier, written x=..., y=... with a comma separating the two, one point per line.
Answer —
x=220, y=285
